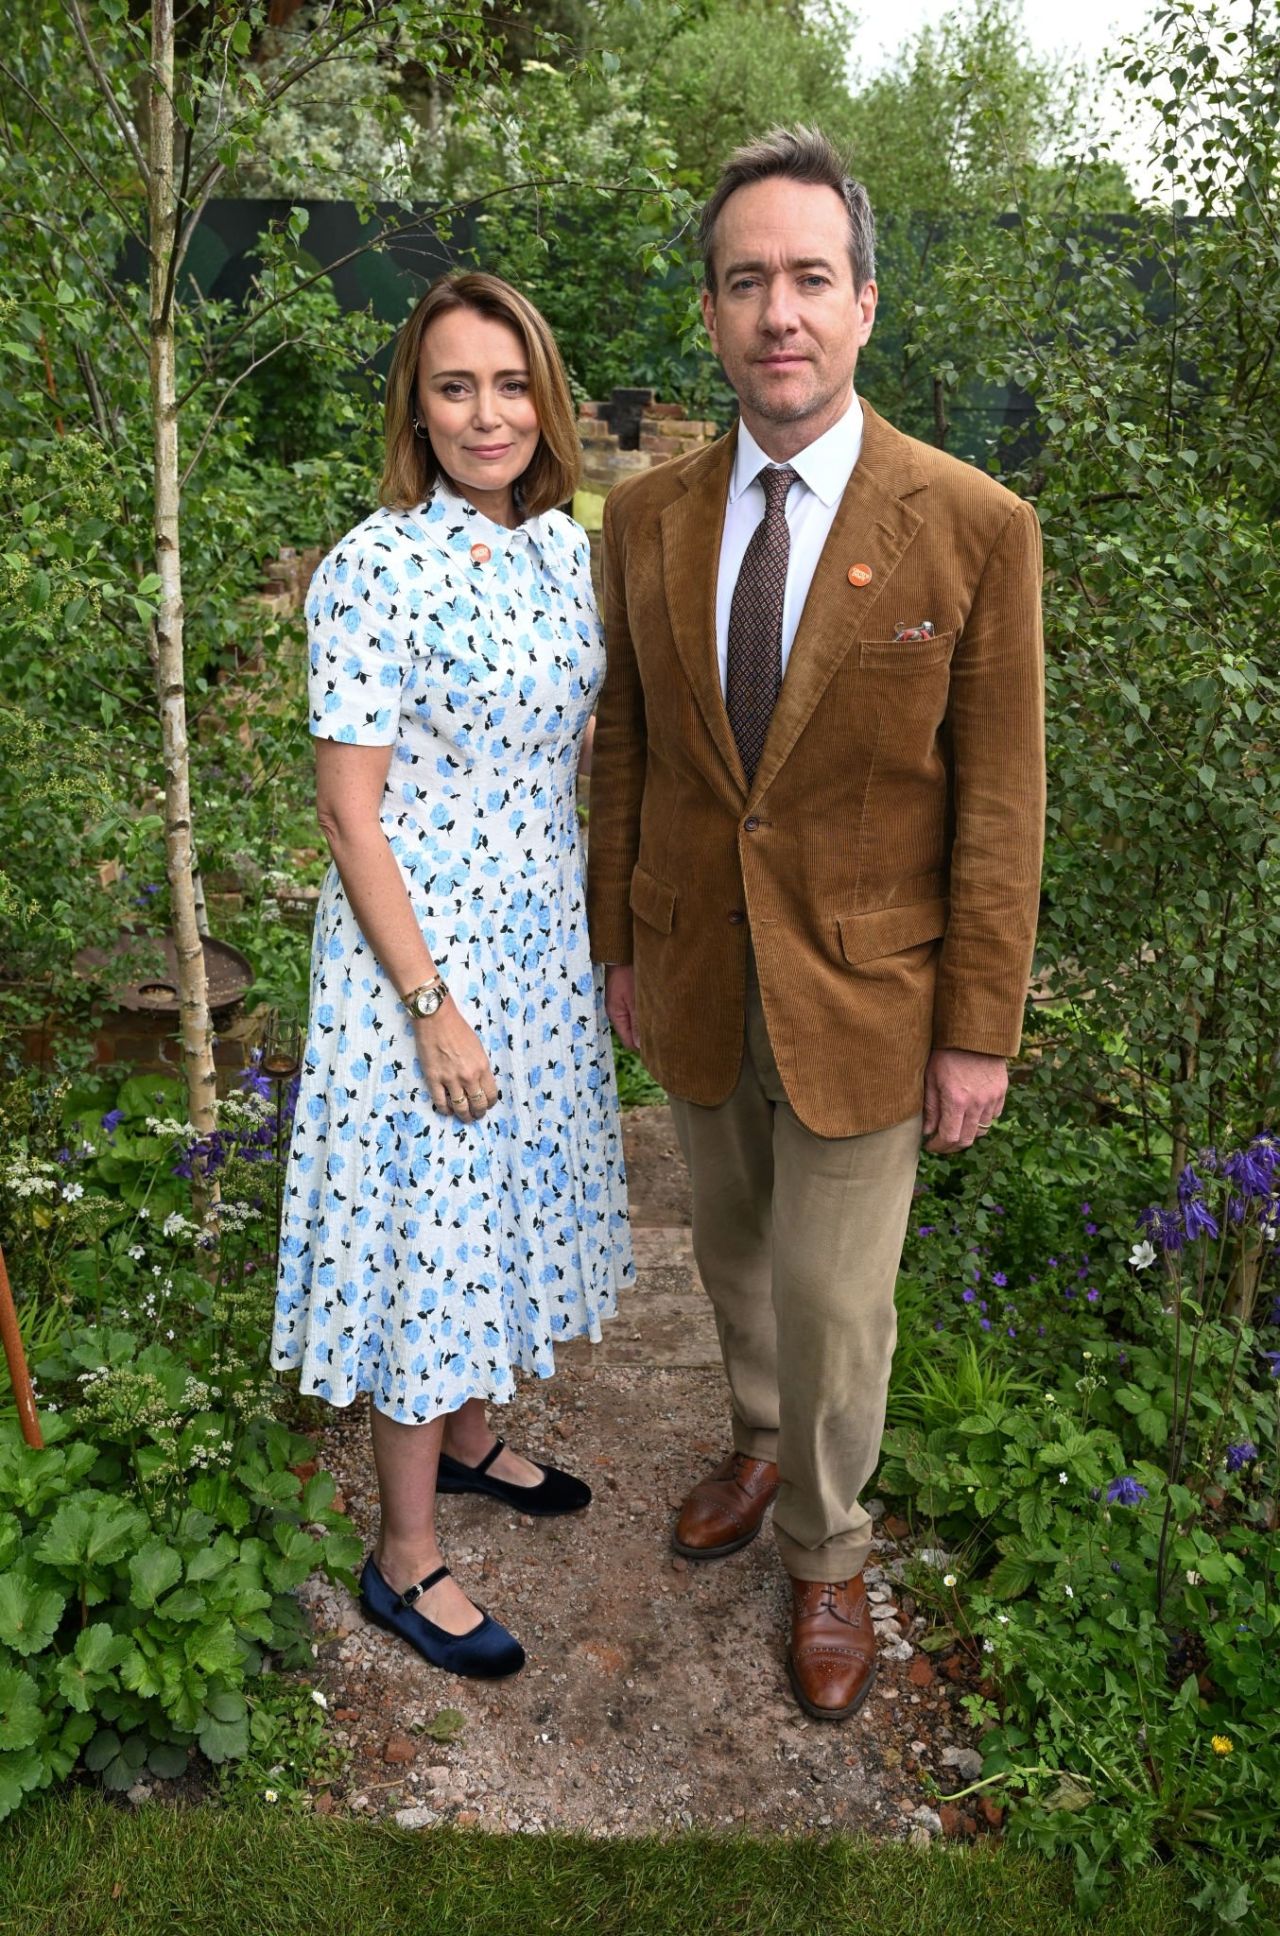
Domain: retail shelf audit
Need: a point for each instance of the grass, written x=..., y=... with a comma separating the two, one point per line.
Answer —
x=75, y=1865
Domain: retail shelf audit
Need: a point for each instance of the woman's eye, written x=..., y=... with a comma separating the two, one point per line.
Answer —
x=516, y=387
x=453, y=389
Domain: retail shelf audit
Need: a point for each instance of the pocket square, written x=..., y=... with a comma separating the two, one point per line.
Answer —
x=904, y=634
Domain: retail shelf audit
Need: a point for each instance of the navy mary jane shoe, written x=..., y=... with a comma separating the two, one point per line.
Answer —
x=558, y=1492
x=486, y=1653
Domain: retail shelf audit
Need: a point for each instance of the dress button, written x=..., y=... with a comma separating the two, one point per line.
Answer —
x=736, y=917
x=750, y=824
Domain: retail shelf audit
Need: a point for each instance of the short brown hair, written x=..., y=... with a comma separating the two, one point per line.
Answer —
x=795, y=154
x=411, y=467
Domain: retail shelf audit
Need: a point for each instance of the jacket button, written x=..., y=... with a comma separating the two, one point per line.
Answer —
x=736, y=917
x=750, y=824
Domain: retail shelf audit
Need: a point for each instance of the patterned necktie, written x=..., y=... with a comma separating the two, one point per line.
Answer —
x=755, y=622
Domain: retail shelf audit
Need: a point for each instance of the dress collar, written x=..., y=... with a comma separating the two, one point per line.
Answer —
x=825, y=466
x=453, y=525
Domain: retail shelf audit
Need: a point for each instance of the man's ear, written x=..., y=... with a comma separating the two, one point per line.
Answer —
x=709, y=317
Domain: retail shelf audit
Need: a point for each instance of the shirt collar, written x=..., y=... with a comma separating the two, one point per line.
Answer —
x=824, y=466
x=454, y=524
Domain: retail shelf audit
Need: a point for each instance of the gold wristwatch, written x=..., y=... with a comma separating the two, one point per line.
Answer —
x=424, y=1001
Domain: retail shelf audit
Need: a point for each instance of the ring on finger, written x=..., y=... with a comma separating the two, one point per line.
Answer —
x=476, y=1095
x=457, y=1102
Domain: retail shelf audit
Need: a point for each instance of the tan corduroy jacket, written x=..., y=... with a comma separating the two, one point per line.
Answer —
x=885, y=862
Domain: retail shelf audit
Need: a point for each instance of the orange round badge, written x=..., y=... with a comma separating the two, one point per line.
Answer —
x=480, y=554
x=860, y=574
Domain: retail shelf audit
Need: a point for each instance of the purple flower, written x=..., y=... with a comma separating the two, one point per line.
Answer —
x=1125, y=1491
x=1198, y=1220
x=1091, y=1230
x=1163, y=1227
x=967, y=1297
x=63, y=1156
x=1039, y=1330
x=982, y=1305
x=1273, y=1360
x=1189, y=1185
x=112, y=1121
x=1252, y=1169
x=1012, y=1333
x=1092, y=1296
x=925, y=1229
x=1086, y=1210
x=999, y=1278
x=984, y=1324
x=938, y=1324
x=1241, y=1455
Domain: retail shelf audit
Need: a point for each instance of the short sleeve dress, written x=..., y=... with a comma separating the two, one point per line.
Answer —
x=425, y=1259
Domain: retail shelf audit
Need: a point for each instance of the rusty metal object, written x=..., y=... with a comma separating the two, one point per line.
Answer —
x=16, y=1358
x=154, y=962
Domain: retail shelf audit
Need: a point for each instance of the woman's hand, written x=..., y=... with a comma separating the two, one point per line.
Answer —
x=454, y=1064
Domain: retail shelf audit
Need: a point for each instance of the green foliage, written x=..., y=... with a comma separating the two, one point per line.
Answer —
x=148, y=1556
x=1155, y=383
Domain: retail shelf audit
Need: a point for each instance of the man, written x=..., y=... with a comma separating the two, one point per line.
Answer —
x=816, y=823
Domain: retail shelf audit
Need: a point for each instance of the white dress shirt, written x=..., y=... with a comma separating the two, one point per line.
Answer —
x=823, y=470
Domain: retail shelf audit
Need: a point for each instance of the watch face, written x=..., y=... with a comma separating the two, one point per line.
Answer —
x=428, y=1001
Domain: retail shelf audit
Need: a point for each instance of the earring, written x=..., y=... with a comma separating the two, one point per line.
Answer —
x=419, y=430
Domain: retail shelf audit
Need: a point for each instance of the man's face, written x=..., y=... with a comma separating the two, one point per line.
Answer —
x=785, y=320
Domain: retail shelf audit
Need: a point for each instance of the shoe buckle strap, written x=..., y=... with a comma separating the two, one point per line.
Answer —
x=412, y=1593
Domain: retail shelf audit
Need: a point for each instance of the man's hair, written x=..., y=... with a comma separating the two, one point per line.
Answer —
x=793, y=154
x=411, y=467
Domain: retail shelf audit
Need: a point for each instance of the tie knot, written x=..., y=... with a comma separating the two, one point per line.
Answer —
x=776, y=481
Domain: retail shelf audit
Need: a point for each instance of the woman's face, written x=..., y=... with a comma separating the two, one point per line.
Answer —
x=475, y=404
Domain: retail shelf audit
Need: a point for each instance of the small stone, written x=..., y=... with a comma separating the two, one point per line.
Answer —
x=929, y=1819
x=897, y=1650
x=418, y=1817
x=896, y=1527
x=346, y=1714
x=679, y=1565
x=967, y=1762
x=949, y=1816
x=920, y=1673
x=467, y=1817
x=141, y=1791
x=991, y=1812
x=875, y=1509
x=399, y=1748
x=919, y=1838
x=323, y=1803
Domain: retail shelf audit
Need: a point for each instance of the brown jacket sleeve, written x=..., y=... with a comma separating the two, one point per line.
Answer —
x=618, y=762
x=995, y=724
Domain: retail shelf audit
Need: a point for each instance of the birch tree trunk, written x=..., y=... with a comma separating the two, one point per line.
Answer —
x=170, y=668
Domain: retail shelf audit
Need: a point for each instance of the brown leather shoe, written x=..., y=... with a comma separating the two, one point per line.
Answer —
x=724, y=1511
x=832, y=1662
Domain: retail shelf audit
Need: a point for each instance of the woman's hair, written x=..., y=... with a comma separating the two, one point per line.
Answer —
x=411, y=467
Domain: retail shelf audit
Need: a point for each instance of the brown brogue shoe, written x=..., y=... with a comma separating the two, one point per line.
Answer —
x=832, y=1661
x=724, y=1511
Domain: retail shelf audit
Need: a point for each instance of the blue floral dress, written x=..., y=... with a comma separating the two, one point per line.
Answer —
x=424, y=1259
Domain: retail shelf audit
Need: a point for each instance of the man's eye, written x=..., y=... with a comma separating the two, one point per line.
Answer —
x=741, y=283
x=814, y=282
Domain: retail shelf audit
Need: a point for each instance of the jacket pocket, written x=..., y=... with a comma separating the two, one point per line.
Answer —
x=652, y=900
x=905, y=655
x=891, y=930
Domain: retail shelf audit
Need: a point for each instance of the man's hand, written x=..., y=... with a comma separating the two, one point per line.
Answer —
x=620, y=1004
x=963, y=1095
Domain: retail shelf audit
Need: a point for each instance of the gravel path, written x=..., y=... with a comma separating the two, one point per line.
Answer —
x=655, y=1694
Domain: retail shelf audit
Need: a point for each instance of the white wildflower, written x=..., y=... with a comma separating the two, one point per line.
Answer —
x=1143, y=1255
x=948, y=1579
x=1003, y=1618
x=70, y=1191
x=137, y=1253
x=321, y=1700
x=988, y=1646
x=1193, y=1578
x=1070, y=1592
x=1062, y=1478
x=270, y=1795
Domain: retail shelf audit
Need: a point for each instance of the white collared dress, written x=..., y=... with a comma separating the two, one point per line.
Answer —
x=425, y=1259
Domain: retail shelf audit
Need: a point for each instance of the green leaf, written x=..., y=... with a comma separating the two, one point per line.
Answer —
x=90, y=1531
x=19, y=1774
x=223, y=1740
x=167, y=1760
x=29, y=1614
x=21, y=1716
x=154, y=1568
x=1010, y=1578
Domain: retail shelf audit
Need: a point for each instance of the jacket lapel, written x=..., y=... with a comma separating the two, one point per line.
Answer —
x=691, y=529
x=873, y=526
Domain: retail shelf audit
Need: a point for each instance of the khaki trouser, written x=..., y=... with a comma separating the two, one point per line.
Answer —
x=797, y=1239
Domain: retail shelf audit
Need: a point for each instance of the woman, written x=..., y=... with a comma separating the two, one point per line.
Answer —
x=455, y=1200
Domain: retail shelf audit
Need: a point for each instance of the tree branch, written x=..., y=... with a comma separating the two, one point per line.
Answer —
x=108, y=92
x=286, y=342
x=69, y=144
